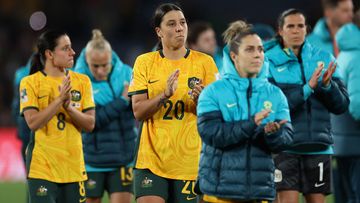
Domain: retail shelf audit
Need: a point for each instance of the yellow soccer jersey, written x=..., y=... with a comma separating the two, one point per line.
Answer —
x=55, y=150
x=169, y=141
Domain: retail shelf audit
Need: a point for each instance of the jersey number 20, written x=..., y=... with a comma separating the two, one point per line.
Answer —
x=178, y=110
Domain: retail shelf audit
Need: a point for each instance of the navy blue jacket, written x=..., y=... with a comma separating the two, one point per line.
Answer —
x=309, y=109
x=236, y=160
x=112, y=143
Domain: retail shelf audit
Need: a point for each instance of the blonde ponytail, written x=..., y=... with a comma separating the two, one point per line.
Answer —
x=98, y=42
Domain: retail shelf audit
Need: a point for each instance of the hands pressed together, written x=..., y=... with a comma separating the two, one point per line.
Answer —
x=64, y=89
x=313, y=82
x=270, y=127
x=171, y=84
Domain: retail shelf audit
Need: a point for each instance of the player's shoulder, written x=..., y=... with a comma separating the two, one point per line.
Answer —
x=200, y=55
x=148, y=57
x=33, y=78
x=78, y=76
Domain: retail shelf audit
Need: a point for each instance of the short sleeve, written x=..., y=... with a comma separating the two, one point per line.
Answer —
x=138, y=84
x=28, y=98
x=88, y=102
x=211, y=71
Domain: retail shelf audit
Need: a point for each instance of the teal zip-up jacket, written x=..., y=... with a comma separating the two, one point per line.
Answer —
x=112, y=143
x=346, y=127
x=320, y=37
x=236, y=159
x=309, y=109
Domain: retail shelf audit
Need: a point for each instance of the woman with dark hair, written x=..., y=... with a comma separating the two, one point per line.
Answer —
x=242, y=120
x=313, y=92
x=57, y=104
x=164, y=90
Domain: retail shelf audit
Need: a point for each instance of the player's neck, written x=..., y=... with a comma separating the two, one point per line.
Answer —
x=54, y=71
x=333, y=28
x=174, y=54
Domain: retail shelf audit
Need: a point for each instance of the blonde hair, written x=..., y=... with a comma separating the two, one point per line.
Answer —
x=235, y=32
x=98, y=42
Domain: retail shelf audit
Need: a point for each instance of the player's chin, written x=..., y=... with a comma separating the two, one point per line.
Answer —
x=70, y=64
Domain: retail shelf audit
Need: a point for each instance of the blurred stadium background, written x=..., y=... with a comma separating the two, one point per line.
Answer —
x=125, y=23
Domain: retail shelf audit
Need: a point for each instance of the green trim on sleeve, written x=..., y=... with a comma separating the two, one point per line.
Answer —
x=87, y=109
x=137, y=92
x=27, y=108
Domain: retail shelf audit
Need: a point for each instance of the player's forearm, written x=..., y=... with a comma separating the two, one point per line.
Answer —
x=144, y=109
x=83, y=120
x=37, y=120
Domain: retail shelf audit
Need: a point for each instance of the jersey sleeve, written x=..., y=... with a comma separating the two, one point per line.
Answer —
x=138, y=84
x=88, y=102
x=211, y=71
x=28, y=96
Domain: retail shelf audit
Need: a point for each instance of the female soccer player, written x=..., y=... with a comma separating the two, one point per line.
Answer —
x=164, y=90
x=57, y=104
x=313, y=92
x=109, y=149
x=242, y=119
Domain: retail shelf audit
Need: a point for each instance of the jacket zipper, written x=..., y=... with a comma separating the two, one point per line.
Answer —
x=308, y=102
x=248, y=143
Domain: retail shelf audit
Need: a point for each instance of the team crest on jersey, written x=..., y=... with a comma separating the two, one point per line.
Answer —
x=192, y=82
x=268, y=105
x=41, y=191
x=146, y=182
x=75, y=95
x=23, y=95
x=90, y=184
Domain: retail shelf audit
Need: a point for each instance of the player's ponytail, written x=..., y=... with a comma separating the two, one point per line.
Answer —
x=98, y=42
x=36, y=63
x=47, y=41
x=235, y=32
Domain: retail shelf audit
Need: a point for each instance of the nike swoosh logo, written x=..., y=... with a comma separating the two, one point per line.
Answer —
x=281, y=69
x=40, y=97
x=190, y=198
x=231, y=105
x=152, y=81
x=319, y=185
x=96, y=91
x=82, y=200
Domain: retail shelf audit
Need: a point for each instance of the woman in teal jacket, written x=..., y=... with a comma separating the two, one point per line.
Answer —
x=347, y=126
x=242, y=120
x=308, y=77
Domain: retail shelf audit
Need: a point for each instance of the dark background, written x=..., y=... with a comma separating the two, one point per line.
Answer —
x=125, y=23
